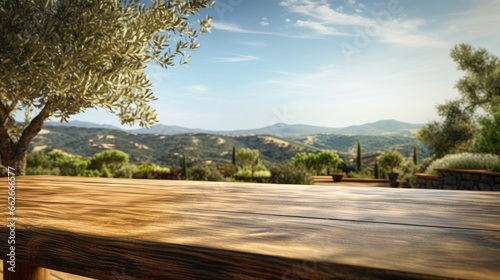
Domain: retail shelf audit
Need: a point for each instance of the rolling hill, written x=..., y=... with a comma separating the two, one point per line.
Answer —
x=208, y=148
x=384, y=127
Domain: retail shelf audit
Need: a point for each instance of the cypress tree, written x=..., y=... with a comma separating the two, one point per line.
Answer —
x=234, y=155
x=184, y=166
x=377, y=171
x=359, y=160
x=415, y=155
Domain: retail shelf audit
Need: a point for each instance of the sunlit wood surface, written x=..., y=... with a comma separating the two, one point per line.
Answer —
x=156, y=229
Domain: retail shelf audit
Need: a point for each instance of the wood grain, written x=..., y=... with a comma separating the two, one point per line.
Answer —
x=152, y=229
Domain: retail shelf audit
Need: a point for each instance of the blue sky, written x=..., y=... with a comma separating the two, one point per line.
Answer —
x=328, y=63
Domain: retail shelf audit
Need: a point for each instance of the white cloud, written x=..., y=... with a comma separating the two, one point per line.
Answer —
x=257, y=44
x=318, y=27
x=197, y=88
x=351, y=2
x=288, y=20
x=326, y=21
x=264, y=23
x=237, y=58
x=361, y=5
x=264, y=18
x=235, y=28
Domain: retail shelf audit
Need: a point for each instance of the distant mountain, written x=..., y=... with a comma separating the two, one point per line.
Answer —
x=379, y=128
x=295, y=130
x=385, y=127
x=209, y=148
x=83, y=124
x=170, y=130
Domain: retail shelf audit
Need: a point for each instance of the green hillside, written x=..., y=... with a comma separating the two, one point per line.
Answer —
x=168, y=149
x=346, y=143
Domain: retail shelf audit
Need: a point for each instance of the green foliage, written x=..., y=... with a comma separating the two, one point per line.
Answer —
x=262, y=173
x=290, y=174
x=316, y=162
x=93, y=55
x=91, y=173
x=365, y=173
x=479, y=88
x=126, y=171
x=39, y=160
x=390, y=160
x=105, y=172
x=112, y=160
x=43, y=171
x=406, y=173
x=495, y=168
x=205, y=173
x=464, y=161
x=228, y=170
x=234, y=155
x=359, y=158
x=185, y=171
x=144, y=172
x=488, y=137
x=247, y=157
x=454, y=135
x=415, y=155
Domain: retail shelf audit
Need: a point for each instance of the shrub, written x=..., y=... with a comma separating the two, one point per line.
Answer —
x=390, y=160
x=243, y=173
x=290, y=174
x=262, y=173
x=495, y=168
x=91, y=173
x=228, y=170
x=206, y=173
x=364, y=173
x=464, y=161
x=406, y=174
x=43, y=171
x=126, y=171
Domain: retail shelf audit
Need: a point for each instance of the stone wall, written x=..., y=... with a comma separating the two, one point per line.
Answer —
x=460, y=179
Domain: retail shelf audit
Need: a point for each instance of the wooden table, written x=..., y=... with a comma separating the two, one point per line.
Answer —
x=131, y=229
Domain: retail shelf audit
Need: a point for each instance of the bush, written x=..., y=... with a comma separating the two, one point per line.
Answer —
x=205, y=173
x=126, y=171
x=464, y=161
x=243, y=173
x=364, y=173
x=390, y=160
x=262, y=173
x=495, y=168
x=406, y=174
x=43, y=171
x=290, y=174
x=228, y=170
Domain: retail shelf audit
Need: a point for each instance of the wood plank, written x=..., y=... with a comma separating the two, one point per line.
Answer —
x=179, y=229
x=472, y=210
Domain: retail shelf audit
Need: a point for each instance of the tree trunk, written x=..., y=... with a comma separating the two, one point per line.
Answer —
x=17, y=161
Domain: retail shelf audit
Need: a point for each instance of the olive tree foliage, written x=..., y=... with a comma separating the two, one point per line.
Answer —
x=479, y=89
x=247, y=157
x=62, y=57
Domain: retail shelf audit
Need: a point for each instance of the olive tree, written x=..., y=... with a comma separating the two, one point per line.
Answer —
x=59, y=58
x=479, y=89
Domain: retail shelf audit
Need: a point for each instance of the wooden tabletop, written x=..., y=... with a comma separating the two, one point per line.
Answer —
x=157, y=229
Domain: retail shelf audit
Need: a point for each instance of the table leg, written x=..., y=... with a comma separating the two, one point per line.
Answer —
x=25, y=271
